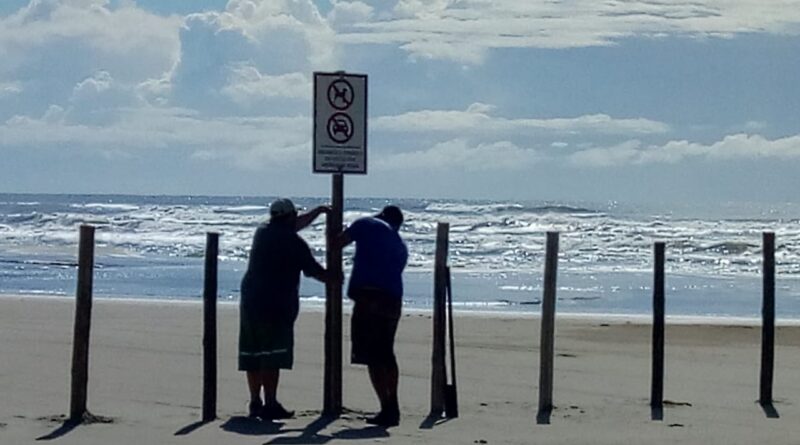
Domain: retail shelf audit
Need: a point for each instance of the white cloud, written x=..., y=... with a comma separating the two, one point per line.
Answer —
x=346, y=13
x=145, y=131
x=738, y=146
x=458, y=154
x=247, y=86
x=10, y=88
x=440, y=28
x=621, y=154
x=250, y=52
x=76, y=35
x=478, y=120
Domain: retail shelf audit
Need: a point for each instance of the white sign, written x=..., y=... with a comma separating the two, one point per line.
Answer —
x=340, y=123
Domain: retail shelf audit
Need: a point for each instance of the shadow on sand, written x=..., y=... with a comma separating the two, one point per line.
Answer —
x=70, y=424
x=311, y=433
x=249, y=426
x=433, y=420
x=769, y=410
x=65, y=428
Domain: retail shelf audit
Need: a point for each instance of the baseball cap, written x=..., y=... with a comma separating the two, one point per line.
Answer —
x=392, y=215
x=282, y=207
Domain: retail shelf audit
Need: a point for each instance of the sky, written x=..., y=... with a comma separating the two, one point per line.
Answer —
x=654, y=101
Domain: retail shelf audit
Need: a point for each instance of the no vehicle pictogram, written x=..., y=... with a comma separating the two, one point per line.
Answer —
x=340, y=128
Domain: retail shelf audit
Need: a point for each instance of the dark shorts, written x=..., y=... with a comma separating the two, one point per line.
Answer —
x=264, y=345
x=373, y=327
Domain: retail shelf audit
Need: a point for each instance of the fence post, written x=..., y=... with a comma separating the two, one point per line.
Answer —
x=547, y=340
x=438, y=373
x=210, y=328
x=657, y=389
x=83, y=321
x=768, y=320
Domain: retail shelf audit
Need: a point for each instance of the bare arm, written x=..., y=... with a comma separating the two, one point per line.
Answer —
x=305, y=219
x=319, y=274
x=342, y=239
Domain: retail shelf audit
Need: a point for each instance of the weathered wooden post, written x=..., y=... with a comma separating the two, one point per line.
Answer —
x=657, y=388
x=83, y=321
x=339, y=148
x=768, y=321
x=547, y=339
x=451, y=389
x=210, y=328
x=332, y=390
x=438, y=372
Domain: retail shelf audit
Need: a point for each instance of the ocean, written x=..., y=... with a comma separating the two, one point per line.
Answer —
x=153, y=247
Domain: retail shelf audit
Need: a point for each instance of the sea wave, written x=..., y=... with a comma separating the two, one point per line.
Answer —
x=494, y=236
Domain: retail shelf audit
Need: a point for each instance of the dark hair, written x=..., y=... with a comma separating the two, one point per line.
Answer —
x=392, y=215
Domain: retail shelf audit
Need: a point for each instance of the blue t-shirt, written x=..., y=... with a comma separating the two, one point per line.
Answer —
x=381, y=256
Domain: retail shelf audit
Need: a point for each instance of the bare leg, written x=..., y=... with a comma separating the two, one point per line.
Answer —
x=269, y=378
x=392, y=381
x=384, y=380
x=254, y=383
x=378, y=380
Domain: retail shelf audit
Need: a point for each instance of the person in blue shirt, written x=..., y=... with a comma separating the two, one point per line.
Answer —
x=376, y=288
x=270, y=303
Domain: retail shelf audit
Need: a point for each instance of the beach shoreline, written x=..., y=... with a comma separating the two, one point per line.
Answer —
x=638, y=319
x=146, y=375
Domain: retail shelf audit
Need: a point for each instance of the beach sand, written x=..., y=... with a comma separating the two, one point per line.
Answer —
x=146, y=376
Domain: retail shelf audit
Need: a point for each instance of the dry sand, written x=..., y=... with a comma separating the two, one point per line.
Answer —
x=145, y=375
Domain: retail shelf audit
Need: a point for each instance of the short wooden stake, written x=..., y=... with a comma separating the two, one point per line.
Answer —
x=83, y=321
x=210, y=328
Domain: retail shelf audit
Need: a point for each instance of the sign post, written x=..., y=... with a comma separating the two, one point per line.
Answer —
x=340, y=147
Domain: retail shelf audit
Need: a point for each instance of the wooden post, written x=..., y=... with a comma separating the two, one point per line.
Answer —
x=438, y=372
x=657, y=388
x=83, y=321
x=332, y=391
x=210, y=328
x=768, y=317
x=451, y=394
x=547, y=340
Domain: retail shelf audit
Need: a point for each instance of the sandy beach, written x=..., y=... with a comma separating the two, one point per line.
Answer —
x=146, y=377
